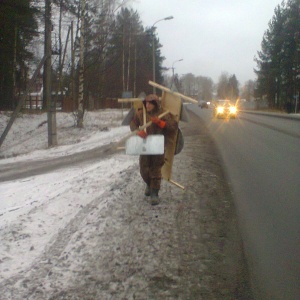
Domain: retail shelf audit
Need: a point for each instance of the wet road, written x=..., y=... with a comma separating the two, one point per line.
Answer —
x=261, y=156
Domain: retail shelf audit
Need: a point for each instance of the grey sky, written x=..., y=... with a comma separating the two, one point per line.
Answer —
x=211, y=36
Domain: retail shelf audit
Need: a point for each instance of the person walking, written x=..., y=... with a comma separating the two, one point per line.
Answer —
x=151, y=165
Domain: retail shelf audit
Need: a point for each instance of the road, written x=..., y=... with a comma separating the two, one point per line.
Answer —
x=261, y=155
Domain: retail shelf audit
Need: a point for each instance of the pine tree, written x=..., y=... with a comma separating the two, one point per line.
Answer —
x=277, y=62
x=120, y=55
x=17, y=28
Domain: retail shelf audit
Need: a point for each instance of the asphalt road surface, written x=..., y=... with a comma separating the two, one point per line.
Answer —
x=261, y=155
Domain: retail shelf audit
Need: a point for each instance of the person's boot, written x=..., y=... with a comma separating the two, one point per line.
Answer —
x=147, y=190
x=154, y=197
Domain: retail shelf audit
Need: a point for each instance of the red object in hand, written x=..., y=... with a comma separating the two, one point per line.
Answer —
x=158, y=122
x=142, y=134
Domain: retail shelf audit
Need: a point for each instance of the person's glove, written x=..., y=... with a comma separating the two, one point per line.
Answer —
x=158, y=122
x=142, y=134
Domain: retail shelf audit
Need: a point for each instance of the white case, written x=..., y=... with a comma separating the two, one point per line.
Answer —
x=152, y=145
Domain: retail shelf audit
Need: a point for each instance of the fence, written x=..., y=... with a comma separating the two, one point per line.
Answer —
x=34, y=101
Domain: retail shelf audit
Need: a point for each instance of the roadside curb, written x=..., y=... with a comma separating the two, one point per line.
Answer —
x=276, y=115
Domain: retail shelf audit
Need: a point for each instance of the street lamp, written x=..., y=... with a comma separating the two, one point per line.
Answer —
x=297, y=69
x=153, y=47
x=173, y=70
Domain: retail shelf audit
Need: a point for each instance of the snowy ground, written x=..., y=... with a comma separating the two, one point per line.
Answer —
x=86, y=231
x=53, y=199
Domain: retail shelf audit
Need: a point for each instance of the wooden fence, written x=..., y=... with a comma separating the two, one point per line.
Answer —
x=66, y=103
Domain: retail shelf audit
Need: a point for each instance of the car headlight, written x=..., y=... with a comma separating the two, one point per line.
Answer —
x=220, y=109
x=232, y=109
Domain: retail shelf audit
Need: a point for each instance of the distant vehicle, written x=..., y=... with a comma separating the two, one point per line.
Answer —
x=203, y=104
x=224, y=109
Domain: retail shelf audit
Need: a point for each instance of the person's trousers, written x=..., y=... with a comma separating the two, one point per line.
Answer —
x=150, y=169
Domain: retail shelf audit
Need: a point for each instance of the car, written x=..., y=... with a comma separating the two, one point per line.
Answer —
x=203, y=104
x=224, y=109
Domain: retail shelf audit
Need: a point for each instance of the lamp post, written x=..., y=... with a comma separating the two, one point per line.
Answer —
x=153, y=47
x=297, y=77
x=173, y=70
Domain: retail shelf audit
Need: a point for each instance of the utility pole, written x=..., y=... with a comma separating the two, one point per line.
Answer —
x=123, y=59
x=173, y=73
x=297, y=77
x=81, y=69
x=73, y=68
x=51, y=109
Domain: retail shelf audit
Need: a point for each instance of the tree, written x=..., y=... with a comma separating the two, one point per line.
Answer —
x=91, y=73
x=222, y=86
x=232, y=89
x=248, y=90
x=18, y=26
x=277, y=62
x=117, y=48
x=227, y=87
x=199, y=87
x=124, y=61
x=205, y=87
x=188, y=82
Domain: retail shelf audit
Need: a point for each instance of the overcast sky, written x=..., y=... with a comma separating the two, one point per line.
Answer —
x=211, y=36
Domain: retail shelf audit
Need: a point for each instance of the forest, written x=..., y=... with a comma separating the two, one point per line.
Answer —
x=278, y=61
x=101, y=49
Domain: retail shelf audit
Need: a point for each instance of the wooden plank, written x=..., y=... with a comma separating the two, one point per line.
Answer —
x=173, y=104
x=137, y=130
x=126, y=100
x=144, y=117
x=177, y=184
x=138, y=105
x=189, y=99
